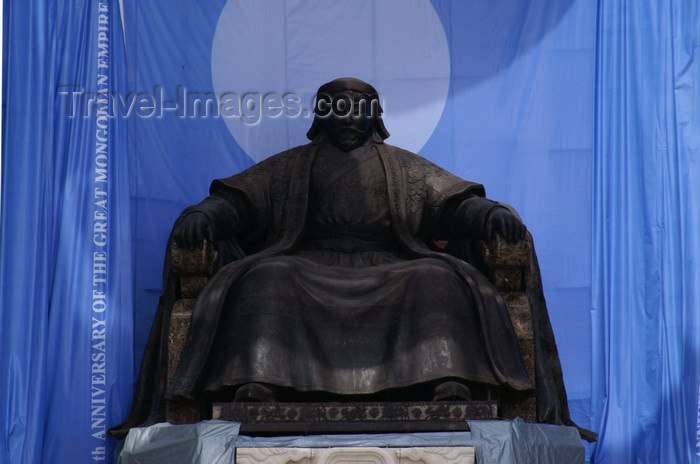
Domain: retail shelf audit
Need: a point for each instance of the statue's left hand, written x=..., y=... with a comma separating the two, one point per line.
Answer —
x=192, y=230
x=506, y=224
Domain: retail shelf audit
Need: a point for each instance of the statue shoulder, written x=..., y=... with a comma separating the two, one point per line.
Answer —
x=429, y=185
x=401, y=154
x=287, y=155
x=276, y=167
x=417, y=166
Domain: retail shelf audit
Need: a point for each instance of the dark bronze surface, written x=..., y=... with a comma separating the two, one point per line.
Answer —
x=330, y=280
x=269, y=418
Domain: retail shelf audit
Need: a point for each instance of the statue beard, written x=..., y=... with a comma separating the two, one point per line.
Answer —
x=348, y=138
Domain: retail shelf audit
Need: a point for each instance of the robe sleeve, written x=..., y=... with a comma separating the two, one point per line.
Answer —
x=228, y=212
x=468, y=217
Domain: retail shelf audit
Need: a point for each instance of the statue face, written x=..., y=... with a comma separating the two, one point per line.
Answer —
x=348, y=124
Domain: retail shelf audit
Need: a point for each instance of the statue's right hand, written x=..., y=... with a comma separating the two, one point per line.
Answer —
x=192, y=230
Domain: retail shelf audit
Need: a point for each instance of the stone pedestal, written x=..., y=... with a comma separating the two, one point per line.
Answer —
x=357, y=455
x=370, y=417
x=488, y=442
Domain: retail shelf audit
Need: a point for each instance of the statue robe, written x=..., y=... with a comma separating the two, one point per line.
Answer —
x=393, y=337
x=347, y=297
x=347, y=310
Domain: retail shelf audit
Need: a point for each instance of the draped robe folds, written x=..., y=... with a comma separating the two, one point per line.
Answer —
x=259, y=319
x=336, y=347
x=348, y=311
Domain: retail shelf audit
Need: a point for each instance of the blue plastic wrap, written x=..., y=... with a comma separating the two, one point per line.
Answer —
x=208, y=442
x=520, y=442
x=495, y=442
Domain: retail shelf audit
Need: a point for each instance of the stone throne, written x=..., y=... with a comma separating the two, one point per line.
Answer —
x=510, y=267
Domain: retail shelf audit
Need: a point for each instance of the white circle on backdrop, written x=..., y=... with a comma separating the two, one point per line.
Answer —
x=287, y=49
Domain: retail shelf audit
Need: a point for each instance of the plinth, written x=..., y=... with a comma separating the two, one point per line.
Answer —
x=489, y=442
x=370, y=417
x=357, y=455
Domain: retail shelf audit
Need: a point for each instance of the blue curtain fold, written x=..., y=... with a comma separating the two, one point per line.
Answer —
x=86, y=210
x=646, y=240
x=65, y=266
x=518, y=118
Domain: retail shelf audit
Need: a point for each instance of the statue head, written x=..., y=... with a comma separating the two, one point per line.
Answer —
x=348, y=111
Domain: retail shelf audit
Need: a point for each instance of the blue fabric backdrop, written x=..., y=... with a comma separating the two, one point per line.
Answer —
x=518, y=118
x=65, y=264
x=581, y=114
x=646, y=280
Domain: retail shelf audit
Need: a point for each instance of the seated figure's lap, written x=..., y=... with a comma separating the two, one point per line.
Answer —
x=288, y=285
x=287, y=268
x=380, y=326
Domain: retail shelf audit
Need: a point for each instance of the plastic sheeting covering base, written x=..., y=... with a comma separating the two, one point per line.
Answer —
x=208, y=442
x=214, y=442
x=521, y=442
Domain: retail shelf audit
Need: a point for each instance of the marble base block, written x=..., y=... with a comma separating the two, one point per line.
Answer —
x=356, y=455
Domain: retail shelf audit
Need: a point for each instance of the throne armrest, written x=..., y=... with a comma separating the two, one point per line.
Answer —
x=507, y=262
x=193, y=268
x=508, y=265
